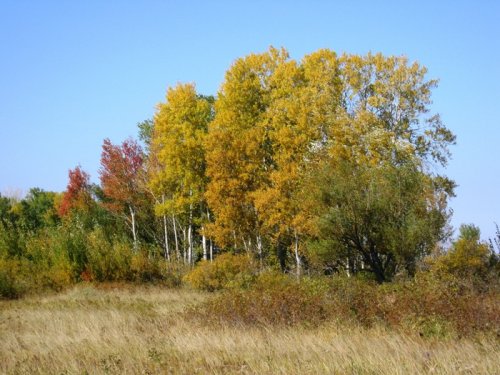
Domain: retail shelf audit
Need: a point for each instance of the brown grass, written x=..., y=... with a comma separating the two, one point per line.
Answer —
x=143, y=330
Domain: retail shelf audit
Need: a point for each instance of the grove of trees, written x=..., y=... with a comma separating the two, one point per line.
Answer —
x=324, y=165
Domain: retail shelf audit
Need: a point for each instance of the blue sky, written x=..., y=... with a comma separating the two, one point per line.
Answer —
x=75, y=72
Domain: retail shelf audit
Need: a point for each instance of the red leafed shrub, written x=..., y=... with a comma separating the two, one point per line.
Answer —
x=426, y=305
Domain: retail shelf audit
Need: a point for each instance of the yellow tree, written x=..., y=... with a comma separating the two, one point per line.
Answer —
x=238, y=150
x=180, y=127
x=303, y=101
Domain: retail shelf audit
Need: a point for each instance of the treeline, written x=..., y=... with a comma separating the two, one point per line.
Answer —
x=320, y=166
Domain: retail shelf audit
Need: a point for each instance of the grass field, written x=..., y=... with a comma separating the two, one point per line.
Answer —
x=145, y=330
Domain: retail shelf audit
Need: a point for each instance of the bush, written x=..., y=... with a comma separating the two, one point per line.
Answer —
x=108, y=261
x=226, y=271
x=145, y=267
x=426, y=305
x=49, y=264
x=13, y=281
x=274, y=299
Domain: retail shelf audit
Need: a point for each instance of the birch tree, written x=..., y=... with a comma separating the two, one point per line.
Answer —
x=180, y=127
x=239, y=156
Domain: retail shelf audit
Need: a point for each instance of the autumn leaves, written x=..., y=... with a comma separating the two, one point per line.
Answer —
x=241, y=171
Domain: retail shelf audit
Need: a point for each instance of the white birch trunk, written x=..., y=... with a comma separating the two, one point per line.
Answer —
x=204, y=243
x=165, y=230
x=190, y=244
x=184, y=252
x=259, y=249
x=297, y=255
x=132, y=219
x=190, y=234
x=176, y=238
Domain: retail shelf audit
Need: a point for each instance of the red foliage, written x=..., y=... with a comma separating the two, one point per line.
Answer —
x=120, y=170
x=77, y=192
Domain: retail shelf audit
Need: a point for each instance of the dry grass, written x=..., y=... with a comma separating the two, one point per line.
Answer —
x=142, y=330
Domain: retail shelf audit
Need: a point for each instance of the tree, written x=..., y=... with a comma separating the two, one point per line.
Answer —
x=468, y=256
x=239, y=154
x=120, y=174
x=303, y=97
x=380, y=206
x=177, y=161
x=36, y=210
x=78, y=192
x=378, y=219
x=146, y=129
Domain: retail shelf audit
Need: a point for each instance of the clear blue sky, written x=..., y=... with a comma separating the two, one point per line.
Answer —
x=75, y=72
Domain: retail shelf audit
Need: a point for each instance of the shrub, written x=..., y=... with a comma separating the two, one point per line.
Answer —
x=13, y=283
x=426, y=305
x=108, y=261
x=172, y=273
x=49, y=264
x=226, y=271
x=145, y=267
x=274, y=299
x=467, y=258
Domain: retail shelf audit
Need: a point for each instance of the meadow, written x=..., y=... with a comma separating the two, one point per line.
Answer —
x=132, y=329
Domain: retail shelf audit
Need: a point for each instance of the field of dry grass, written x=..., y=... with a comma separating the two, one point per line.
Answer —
x=144, y=330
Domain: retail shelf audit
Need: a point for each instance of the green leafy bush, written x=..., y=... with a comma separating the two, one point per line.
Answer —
x=49, y=263
x=108, y=261
x=13, y=280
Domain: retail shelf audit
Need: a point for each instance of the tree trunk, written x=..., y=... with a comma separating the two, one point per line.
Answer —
x=132, y=219
x=165, y=230
x=177, y=251
x=190, y=244
x=210, y=240
x=190, y=235
x=204, y=243
x=259, y=249
x=297, y=255
x=184, y=252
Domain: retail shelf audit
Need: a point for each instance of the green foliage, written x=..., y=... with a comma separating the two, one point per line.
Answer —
x=108, y=260
x=378, y=219
x=146, y=128
x=37, y=210
x=14, y=278
x=50, y=264
x=226, y=271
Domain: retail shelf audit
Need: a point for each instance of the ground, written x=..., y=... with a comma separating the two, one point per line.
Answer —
x=123, y=329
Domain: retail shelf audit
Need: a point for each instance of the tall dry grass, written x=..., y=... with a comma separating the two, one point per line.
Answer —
x=143, y=330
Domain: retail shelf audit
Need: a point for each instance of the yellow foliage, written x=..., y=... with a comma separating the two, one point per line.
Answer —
x=225, y=271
